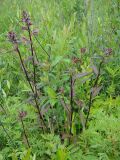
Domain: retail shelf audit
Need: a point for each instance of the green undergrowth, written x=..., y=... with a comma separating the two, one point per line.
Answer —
x=75, y=34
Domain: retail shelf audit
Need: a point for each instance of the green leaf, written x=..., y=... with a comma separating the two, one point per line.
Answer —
x=4, y=93
x=57, y=60
x=67, y=60
x=8, y=84
x=27, y=156
x=34, y=157
x=1, y=157
x=14, y=157
x=51, y=93
x=61, y=154
x=91, y=157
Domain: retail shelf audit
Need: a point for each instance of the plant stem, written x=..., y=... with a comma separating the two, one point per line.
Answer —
x=26, y=137
x=71, y=103
x=90, y=99
x=33, y=58
x=26, y=74
x=89, y=107
x=34, y=73
x=25, y=71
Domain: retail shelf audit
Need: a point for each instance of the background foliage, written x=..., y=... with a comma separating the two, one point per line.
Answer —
x=65, y=27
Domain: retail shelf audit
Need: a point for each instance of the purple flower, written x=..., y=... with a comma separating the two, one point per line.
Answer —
x=26, y=18
x=76, y=60
x=22, y=114
x=108, y=51
x=83, y=50
x=12, y=37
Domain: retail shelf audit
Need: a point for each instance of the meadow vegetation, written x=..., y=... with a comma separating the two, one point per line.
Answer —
x=59, y=80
